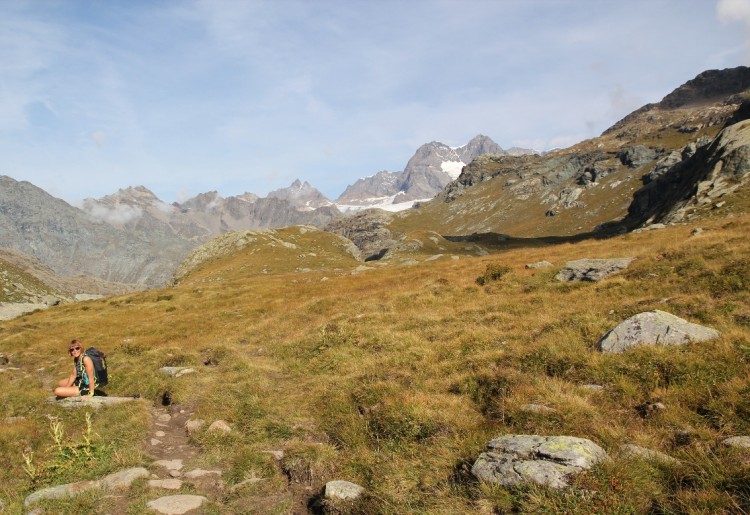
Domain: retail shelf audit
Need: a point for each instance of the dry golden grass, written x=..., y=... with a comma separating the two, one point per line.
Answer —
x=396, y=377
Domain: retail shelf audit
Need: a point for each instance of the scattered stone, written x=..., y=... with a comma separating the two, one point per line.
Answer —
x=117, y=481
x=160, y=434
x=249, y=481
x=198, y=473
x=176, y=504
x=592, y=269
x=654, y=328
x=636, y=451
x=174, y=473
x=696, y=231
x=342, y=490
x=539, y=264
x=176, y=371
x=740, y=442
x=166, y=484
x=593, y=387
x=537, y=408
x=544, y=460
x=194, y=425
x=154, y=441
x=175, y=464
x=278, y=455
x=220, y=425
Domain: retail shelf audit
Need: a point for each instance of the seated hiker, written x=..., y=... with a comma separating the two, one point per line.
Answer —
x=82, y=381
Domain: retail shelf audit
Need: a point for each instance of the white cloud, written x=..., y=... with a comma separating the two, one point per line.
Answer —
x=118, y=215
x=731, y=11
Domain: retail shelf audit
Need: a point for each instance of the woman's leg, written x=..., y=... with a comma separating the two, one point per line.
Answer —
x=67, y=391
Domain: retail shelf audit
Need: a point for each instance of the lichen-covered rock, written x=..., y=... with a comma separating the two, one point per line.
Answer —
x=95, y=402
x=654, y=328
x=592, y=269
x=544, y=460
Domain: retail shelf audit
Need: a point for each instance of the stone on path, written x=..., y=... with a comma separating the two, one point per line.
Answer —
x=175, y=464
x=342, y=490
x=544, y=460
x=591, y=269
x=176, y=504
x=117, y=481
x=167, y=484
x=654, y=328
x=194, y=425
x=198, y=473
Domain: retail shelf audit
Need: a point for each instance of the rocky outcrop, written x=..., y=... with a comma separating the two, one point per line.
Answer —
x=653, y=328
x=544, y=460
x=709, y=175
x=592, y=269
x=367, y=230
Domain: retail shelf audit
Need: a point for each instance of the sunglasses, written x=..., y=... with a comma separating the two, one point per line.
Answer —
x=71, y=349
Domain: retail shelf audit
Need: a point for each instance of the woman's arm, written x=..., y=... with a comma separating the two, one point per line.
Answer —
x=89, y=366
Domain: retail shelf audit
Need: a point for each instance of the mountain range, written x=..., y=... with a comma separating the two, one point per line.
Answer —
x=656, y=164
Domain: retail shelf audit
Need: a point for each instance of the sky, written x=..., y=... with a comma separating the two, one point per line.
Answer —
x=190, y=96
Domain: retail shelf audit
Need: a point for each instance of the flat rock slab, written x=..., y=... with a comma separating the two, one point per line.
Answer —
x=654, y=328
x=539, y=264
x=95, y=402
x=117, y=481
x=544, y=460
x=176, y=504
x=166, y=484
x=592, y=269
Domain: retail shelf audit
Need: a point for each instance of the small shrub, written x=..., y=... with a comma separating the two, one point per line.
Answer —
x=493, y=272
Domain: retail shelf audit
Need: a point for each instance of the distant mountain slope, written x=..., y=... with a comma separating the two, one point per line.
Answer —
x=431, y=168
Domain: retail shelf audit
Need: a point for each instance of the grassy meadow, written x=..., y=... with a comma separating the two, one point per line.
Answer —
x=396, y=377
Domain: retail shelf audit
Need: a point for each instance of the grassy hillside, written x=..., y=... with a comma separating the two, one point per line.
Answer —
x=395, y=377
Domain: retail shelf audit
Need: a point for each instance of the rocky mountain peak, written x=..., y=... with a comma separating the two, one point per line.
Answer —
x=302, y=196
x=707, y=87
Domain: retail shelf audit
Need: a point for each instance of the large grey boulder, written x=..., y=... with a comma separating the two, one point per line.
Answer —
x=544, y=460
x=654, y=328
x=592, y=269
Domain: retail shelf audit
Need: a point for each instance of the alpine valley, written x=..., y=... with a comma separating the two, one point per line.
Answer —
x=485, y=331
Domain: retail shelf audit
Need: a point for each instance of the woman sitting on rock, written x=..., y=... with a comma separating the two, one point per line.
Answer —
x=78, y=383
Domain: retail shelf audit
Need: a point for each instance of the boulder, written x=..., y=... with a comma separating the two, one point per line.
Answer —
x=592, y=269
x=653, y=328
x=193, y=425
x=220, y=426
x=176, y=371
x=544, y=460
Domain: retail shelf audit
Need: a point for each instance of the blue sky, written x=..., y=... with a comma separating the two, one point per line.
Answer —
x=187, y=96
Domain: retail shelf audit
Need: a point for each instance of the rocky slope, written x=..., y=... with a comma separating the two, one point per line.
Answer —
x=659, y=163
